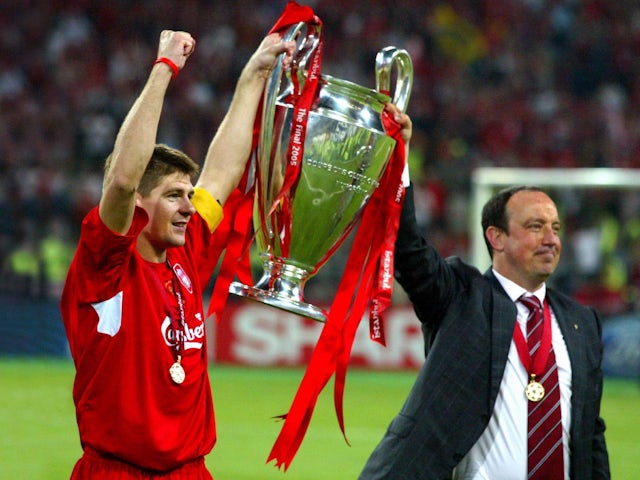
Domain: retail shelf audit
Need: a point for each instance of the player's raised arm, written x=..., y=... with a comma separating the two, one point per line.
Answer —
x=230, y=147
x=137, y=136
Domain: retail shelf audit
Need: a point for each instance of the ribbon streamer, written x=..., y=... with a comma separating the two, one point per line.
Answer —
x=355, y=292
x=366, y=282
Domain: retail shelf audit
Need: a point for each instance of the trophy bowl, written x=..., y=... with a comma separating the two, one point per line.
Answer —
x=346, y=152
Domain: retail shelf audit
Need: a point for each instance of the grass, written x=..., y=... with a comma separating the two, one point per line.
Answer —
x=620, y=405
x=39, y=440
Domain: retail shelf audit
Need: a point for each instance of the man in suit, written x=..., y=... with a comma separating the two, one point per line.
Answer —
x=466, y=416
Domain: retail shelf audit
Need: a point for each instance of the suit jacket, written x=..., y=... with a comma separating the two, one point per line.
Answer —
x=468, y=321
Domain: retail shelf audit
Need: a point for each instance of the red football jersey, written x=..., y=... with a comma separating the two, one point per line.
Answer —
x=116, y=309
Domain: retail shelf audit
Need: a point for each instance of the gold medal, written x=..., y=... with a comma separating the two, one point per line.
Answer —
x=534, y=390
x=177, y=372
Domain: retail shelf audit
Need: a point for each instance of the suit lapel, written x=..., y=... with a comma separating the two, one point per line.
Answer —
x=569, y=324
x=503, y=317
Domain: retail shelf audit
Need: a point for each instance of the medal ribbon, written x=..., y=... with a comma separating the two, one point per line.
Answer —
x=536, y=364
x=175, y=324
x=170, y=309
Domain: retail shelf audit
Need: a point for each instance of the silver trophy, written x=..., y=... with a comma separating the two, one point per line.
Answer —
x=346, y=151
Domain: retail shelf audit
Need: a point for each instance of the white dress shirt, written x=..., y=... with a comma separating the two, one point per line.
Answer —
x=501, y=451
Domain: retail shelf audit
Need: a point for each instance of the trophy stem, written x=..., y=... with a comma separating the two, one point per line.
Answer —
x=281, y=286
x=289, y=282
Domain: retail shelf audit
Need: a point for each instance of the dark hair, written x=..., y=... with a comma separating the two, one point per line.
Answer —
x=165, y=161
x=494, y=212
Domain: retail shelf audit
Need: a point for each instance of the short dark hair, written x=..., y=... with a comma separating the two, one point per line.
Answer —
x=165, y=161
x=494, y=212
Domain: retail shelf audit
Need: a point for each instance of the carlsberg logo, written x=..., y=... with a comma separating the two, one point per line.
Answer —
x=193, y=337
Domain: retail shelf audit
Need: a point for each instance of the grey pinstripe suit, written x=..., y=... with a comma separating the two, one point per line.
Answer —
x=468, y=322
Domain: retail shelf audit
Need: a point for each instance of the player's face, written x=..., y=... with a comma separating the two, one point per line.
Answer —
x=531, y=250
x=169, y=208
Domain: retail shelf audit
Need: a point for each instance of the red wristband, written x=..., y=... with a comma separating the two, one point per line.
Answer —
x=169, y=62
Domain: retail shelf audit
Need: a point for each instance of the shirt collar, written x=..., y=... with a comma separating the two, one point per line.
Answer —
x=515, y=291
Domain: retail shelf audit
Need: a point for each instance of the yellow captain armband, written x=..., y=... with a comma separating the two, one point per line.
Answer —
x=208, y=207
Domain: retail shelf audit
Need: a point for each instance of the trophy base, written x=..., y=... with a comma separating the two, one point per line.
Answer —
x=273, y=299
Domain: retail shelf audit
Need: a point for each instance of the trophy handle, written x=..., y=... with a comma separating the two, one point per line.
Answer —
x=307, y=42
x=307, y=38
x=385, y=60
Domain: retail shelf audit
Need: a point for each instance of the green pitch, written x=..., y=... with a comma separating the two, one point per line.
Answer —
x=39, y=441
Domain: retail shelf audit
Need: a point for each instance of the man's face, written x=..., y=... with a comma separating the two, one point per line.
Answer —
x=530, y=252
x=169, y=208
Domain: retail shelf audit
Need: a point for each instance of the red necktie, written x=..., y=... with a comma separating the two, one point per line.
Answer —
x=545, y=458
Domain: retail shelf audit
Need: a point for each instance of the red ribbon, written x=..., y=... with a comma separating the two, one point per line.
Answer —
x=293, y=14
x=302, y=101
x=355, y=292
x=393, y=198
x=235, y=233
x=536, y=364
x=367, y=280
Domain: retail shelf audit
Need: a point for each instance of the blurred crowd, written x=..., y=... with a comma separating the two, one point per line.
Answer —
x=519, y=83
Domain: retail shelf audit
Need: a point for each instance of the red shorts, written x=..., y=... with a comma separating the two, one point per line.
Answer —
x=93, y=466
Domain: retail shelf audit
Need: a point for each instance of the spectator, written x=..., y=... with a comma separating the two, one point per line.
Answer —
x=522, y=85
